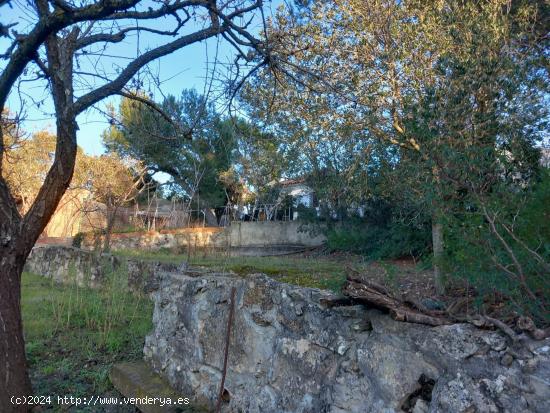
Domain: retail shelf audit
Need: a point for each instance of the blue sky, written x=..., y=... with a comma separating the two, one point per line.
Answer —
x=186, y=68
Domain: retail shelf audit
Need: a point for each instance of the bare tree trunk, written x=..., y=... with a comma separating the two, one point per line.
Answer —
x=111, y=215
x=58, y=29
x=108, y=232
x=437, y=242
x=437, y=233
x=17, y=237
x=14, y=379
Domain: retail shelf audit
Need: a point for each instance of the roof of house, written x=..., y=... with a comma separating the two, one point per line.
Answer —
x=295, y=181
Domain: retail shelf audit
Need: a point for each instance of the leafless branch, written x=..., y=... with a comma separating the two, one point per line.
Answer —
x=152, y=105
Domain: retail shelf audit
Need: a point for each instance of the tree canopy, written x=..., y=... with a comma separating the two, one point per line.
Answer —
x=195, y=147
x=439, y=108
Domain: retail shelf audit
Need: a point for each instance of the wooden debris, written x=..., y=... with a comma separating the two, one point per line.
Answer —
x=527, y=324
x=540, y=334
x=419, y=318
x=366, y=292
x=359, y=289
x=502, y=327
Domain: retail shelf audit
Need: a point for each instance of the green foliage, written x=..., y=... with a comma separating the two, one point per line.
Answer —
x=438, y=109
x=380, y=241
x=77, y=240
x=261, y=160
x=502, y=244
x=195, y=148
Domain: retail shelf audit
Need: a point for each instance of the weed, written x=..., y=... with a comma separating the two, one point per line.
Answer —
x=74, y=334
x=390, y=274
x=306, y=272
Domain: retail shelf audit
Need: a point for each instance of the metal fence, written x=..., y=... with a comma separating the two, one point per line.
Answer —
x=157, y=215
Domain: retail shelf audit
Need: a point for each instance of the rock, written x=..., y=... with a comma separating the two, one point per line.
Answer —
x=507, y=360
x=495, y=341
x=290, y=352
x=421, y=406
x=433, y=304
x=304, y=350
x=530, y=365
x=362, y=326
x=137, y=380
x=542, y=350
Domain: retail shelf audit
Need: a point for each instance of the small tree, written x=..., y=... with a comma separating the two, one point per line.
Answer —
x=451, y=87
x=194, y=164
x=36, y=154
x=116, y=183
x=52, y=49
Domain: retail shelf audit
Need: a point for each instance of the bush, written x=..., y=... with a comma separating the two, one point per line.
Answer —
x=502, y=246
x=387, y=230
x=394, y=240
x=77, y=240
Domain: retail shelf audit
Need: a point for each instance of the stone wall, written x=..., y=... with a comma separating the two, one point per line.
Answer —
x=253, y=238
x=66, y=264
x=290, y=354
x=195, y=238
x=86, y=268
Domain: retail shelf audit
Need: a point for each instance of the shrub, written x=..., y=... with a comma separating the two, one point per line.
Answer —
x=77, y=240
x=386, y=230
x=378, y=242
x=501, y=245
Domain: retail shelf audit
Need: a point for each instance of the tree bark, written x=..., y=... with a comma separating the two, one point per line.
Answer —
x=58, y=31
x=107, y=239
x=437, y=242
x=17, y=237
x=437, y=233
x=111, y=216
x=14, y=379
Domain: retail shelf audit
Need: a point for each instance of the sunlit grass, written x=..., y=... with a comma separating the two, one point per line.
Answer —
x=73, y=335
x=314, y=272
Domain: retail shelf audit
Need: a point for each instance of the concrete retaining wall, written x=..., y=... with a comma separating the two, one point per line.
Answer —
x=268, y=233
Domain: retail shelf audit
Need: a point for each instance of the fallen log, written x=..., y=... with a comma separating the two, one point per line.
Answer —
x=418, y=318
x=526, y=324
x=366, y=292
x=359, y=289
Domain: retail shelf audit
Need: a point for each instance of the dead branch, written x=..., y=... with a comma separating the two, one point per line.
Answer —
x=366, y=292
x=527, y=324
x=501, y=326
x=400, y=314
x=358, y=289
